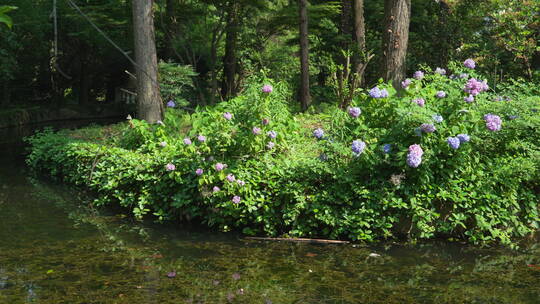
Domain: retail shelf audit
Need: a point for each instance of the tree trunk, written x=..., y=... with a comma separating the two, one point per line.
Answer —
x=359, y=59
x=228, y=86
x=149, y=104
x=397, y=14
x=305, y=98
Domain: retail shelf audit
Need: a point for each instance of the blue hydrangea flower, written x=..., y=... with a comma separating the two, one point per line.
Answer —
x=354, y=112
x=358, y=147
x=378, y=93
x=441, y=94
x=427, y=128
x=440, y=71
x=171, y=104
x=272, y=134
x=463, y=138
x=453, y=142
x=387, y=148
x=318, y=133
x=469, y=63
x=418, y=75
x=469, y=98
x=437, y=118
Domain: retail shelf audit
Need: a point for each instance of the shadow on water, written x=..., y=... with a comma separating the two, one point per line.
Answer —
x=54, y=248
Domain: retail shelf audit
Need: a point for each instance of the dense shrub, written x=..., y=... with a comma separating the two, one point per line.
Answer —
x=390, y=165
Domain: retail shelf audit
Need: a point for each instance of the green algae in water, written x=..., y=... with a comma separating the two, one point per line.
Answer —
x=56, y=249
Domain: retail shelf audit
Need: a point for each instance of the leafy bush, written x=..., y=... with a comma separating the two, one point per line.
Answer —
x=395, y=166
x=176, y=82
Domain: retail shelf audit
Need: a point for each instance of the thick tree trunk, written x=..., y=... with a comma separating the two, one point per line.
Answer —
x=397, y=14
x=149, y=104
x=305, y=98
x=228, y=86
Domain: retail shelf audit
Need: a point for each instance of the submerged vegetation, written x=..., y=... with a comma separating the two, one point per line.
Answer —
x=444, y=156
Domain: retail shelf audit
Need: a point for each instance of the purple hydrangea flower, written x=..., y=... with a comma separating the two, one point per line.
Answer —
x=427, y=128
x=220, y=166
x=469, y=98
x=418, y=75
x=441, y=94
x=267, y=89
x=440, y=71
x=493, y=122
x=272, y=134
x=170, y=167
x=387, y=148
x=187, y=141
x=236, y=199
x=171, y=104
x=463, y=138
x=216, y=189
x=270, y=145
x=227, y=116
x=231, y=178
x=418, y=132
x=378, y=93
x=354, y=112
x=437, y=118
x=163, y=143
x=318, y=133
x=358, y=147
x=475, y=87
x=453, y=142
x=256, y=130
x=419, y=101
x=265, y=121
x=201, y=138
x=405, y=83
x=240, y=182
x=199, y=171
x=469, y=63
x=414, y=157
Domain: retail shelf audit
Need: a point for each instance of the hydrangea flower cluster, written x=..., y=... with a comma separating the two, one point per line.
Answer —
x=272, y=134
x=256, y=130
x=419, y=101
x=437, y=118
x=199, y=171
x=427, y=128
x=201, y=138
x=231, y=178
x=220, y=166
x=358, y=147
x=187, y=141
x=378, y=93
x=469, y=98
x=270, y=145
x=464, y=138
x=227, y=116
x=318, y=133
x=469, y=63
x=387, y=148
x=170, y=167
x=406, y=83
x=475, y=86
x=236, y=199
x=163, y=143
x=267, y=89
x=493, y=122
x=265, y=121
x=414, y=157
x=440, y=71
x=354, y=112
x=418, y=75
x=453, y=142
x=171, y=104
x=440, y=94
x=216, y=189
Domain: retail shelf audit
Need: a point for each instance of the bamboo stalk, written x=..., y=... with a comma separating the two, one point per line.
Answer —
x=300, y=240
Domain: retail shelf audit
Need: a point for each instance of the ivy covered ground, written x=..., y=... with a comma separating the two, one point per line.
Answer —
x=445, y=156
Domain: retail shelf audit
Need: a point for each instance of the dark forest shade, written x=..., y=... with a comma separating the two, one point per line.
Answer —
x=397, y=15
x=149, y=104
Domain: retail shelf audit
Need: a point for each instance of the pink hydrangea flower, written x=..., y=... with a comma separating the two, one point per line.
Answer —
x=267, y=89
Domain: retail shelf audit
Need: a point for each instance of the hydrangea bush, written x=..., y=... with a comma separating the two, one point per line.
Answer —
x=384, y=167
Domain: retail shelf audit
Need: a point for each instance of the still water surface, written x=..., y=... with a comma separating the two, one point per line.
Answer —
x=55, y=248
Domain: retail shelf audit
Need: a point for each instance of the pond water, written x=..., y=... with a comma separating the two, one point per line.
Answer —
x=55, y=248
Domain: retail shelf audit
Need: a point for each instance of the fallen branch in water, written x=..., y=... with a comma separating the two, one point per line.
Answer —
x=300, y=240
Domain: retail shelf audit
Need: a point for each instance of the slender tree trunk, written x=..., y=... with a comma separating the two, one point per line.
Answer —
x=397, y=14
x=228, y=86
x=149, y=104
x=360, y=40
x=305, y=98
